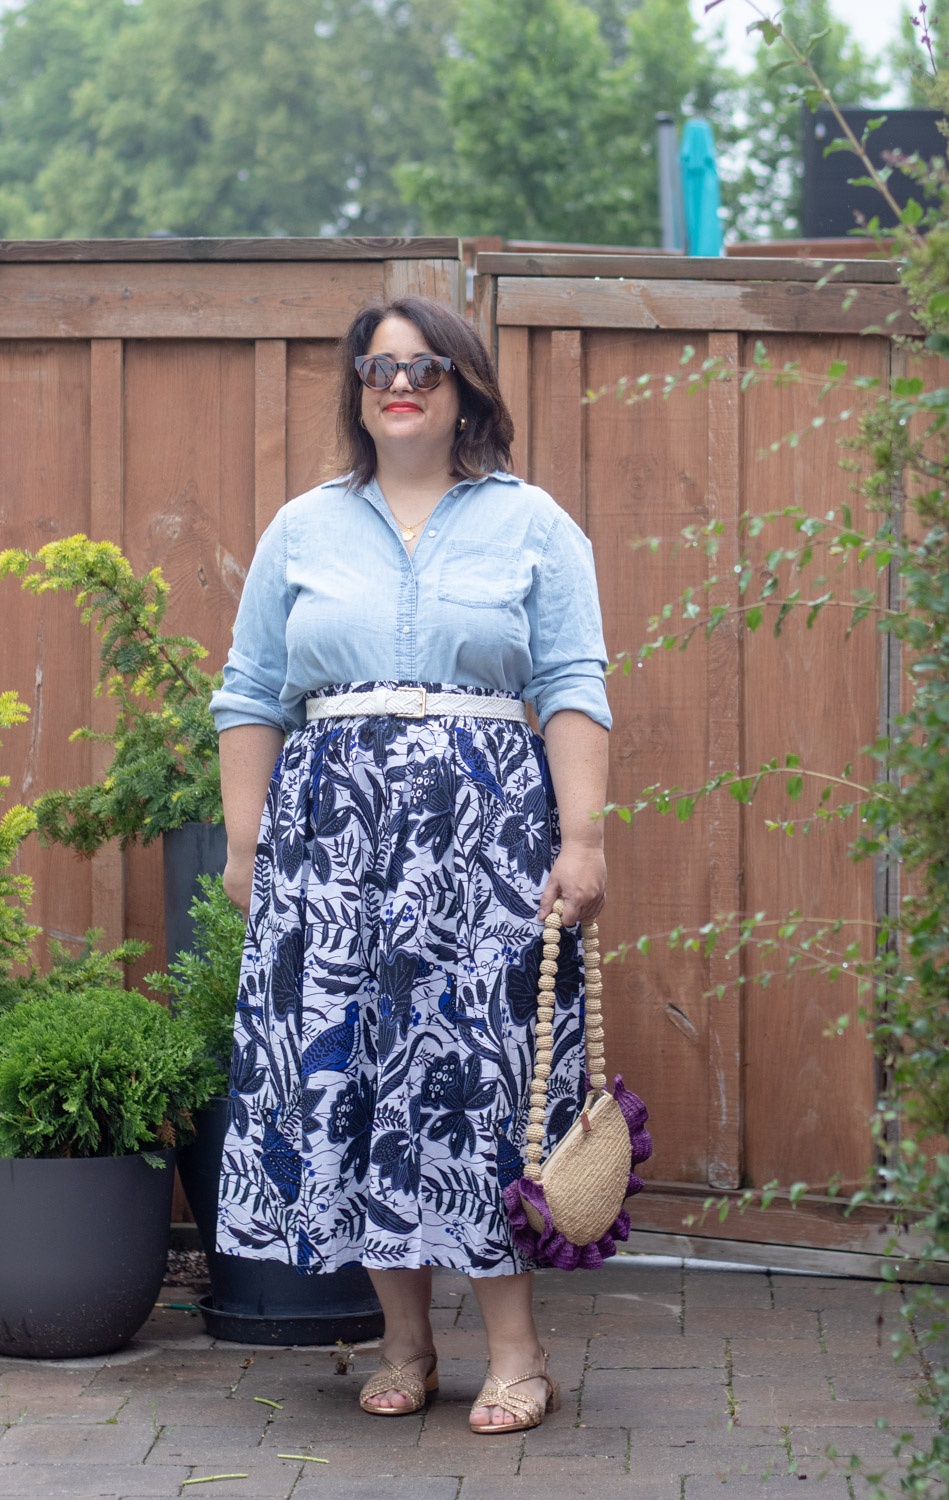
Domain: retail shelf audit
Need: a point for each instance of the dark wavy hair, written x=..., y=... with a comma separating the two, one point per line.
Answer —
x=485, y=442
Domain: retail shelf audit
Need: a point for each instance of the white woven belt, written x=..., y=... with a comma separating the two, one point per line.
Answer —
x=414, y=703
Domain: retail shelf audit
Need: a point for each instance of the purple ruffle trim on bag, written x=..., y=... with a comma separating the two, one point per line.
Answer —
x=548, y=1247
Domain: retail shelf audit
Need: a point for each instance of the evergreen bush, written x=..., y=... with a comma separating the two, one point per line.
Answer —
x=102, y=1072
x=203, y=983
x=90, y=968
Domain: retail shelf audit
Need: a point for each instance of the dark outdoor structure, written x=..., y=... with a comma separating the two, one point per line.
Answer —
x=831, y=203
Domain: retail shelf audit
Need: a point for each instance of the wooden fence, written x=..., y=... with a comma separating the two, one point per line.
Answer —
x=743, y=1082
x=171, y=395
x=168, y=396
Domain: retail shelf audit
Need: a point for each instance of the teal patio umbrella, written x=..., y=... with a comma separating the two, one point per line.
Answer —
x=700, y=194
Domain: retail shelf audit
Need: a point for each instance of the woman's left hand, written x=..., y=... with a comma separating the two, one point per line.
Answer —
x=579, y=876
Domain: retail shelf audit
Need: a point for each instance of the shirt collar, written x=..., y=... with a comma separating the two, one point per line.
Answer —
x=345, y=482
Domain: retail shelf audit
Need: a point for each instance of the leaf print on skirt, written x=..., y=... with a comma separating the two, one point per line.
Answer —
x=396, y=1154
x=384, y=1028
x=351, y=1122
x=246, y=1078
x=456, y=1088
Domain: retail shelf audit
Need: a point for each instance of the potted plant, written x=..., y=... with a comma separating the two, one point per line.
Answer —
x=251, y=1301
x=96, y=1085
x=165, y=776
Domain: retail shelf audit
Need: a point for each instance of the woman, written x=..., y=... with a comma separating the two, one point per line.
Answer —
x=410, y=848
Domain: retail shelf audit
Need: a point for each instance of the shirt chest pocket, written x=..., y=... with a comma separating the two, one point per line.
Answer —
x=481, y=575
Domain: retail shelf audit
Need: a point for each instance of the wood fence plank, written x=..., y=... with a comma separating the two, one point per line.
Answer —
x=374, y=247
x=312, y=384
x=242, y=301
x=442, y=279
x=106, y=493
x=808, y=1093
x=565, y=394
x=646, y=468
x=723, y=676
x=540, y=437
x=688, y=268
x=483, y=313
x=189, y=461
x=749, y=306
x=514, y=378
x=270, y=430
x=45, y=651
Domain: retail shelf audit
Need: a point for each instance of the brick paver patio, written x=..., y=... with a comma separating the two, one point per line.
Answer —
x=679, y=1383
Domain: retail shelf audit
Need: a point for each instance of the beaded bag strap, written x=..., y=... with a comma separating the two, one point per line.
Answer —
x=544, y=1046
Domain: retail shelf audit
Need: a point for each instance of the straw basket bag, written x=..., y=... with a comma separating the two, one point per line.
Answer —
x=568, y=1211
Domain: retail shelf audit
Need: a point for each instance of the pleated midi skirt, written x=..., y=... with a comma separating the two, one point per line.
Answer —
x=383, y=1041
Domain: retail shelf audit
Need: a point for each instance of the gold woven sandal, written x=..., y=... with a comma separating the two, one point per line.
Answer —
x=524, y=1409
x=390, y=1377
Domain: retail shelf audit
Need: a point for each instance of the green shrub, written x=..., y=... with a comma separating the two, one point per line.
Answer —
x=165, y=769
x=101, y=1072
x=899, y=981
x=203, y=983
x=16, y=891
x=19, y=977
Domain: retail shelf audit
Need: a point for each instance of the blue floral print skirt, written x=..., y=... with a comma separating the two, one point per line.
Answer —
x=383, y=1041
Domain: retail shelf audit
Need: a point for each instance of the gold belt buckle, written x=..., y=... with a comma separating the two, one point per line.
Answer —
x=412, y=713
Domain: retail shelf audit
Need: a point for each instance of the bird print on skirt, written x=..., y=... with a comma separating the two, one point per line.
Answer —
x=334, y=1049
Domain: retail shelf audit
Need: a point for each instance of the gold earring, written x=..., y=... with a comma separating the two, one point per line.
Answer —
x=462, y=424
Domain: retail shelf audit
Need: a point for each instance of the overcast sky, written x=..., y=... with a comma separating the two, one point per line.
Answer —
x=874, y=22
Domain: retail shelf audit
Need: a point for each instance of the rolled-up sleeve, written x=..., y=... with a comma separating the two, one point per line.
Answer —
x=568, y=653
x=256, y=668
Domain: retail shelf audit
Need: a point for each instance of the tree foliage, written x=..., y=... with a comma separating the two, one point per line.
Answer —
x=553, y=130
x=48, y=50
x=215, y=117
x=763, y=195
x=228, y=117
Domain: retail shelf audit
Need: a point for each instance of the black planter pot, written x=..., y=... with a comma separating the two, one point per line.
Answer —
x=259, y=1301
x=83, y=1247
x=187, y=852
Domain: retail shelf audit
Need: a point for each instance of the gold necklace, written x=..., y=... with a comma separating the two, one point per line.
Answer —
x=408, y=529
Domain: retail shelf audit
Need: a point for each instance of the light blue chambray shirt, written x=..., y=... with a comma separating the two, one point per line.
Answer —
x=500, y=592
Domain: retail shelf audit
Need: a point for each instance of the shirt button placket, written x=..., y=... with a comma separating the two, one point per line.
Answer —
x=405, y=626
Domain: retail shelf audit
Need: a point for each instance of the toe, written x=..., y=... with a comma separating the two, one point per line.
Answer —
x=388, y=1398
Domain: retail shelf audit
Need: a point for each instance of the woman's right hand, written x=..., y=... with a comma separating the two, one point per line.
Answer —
x=239, y=879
